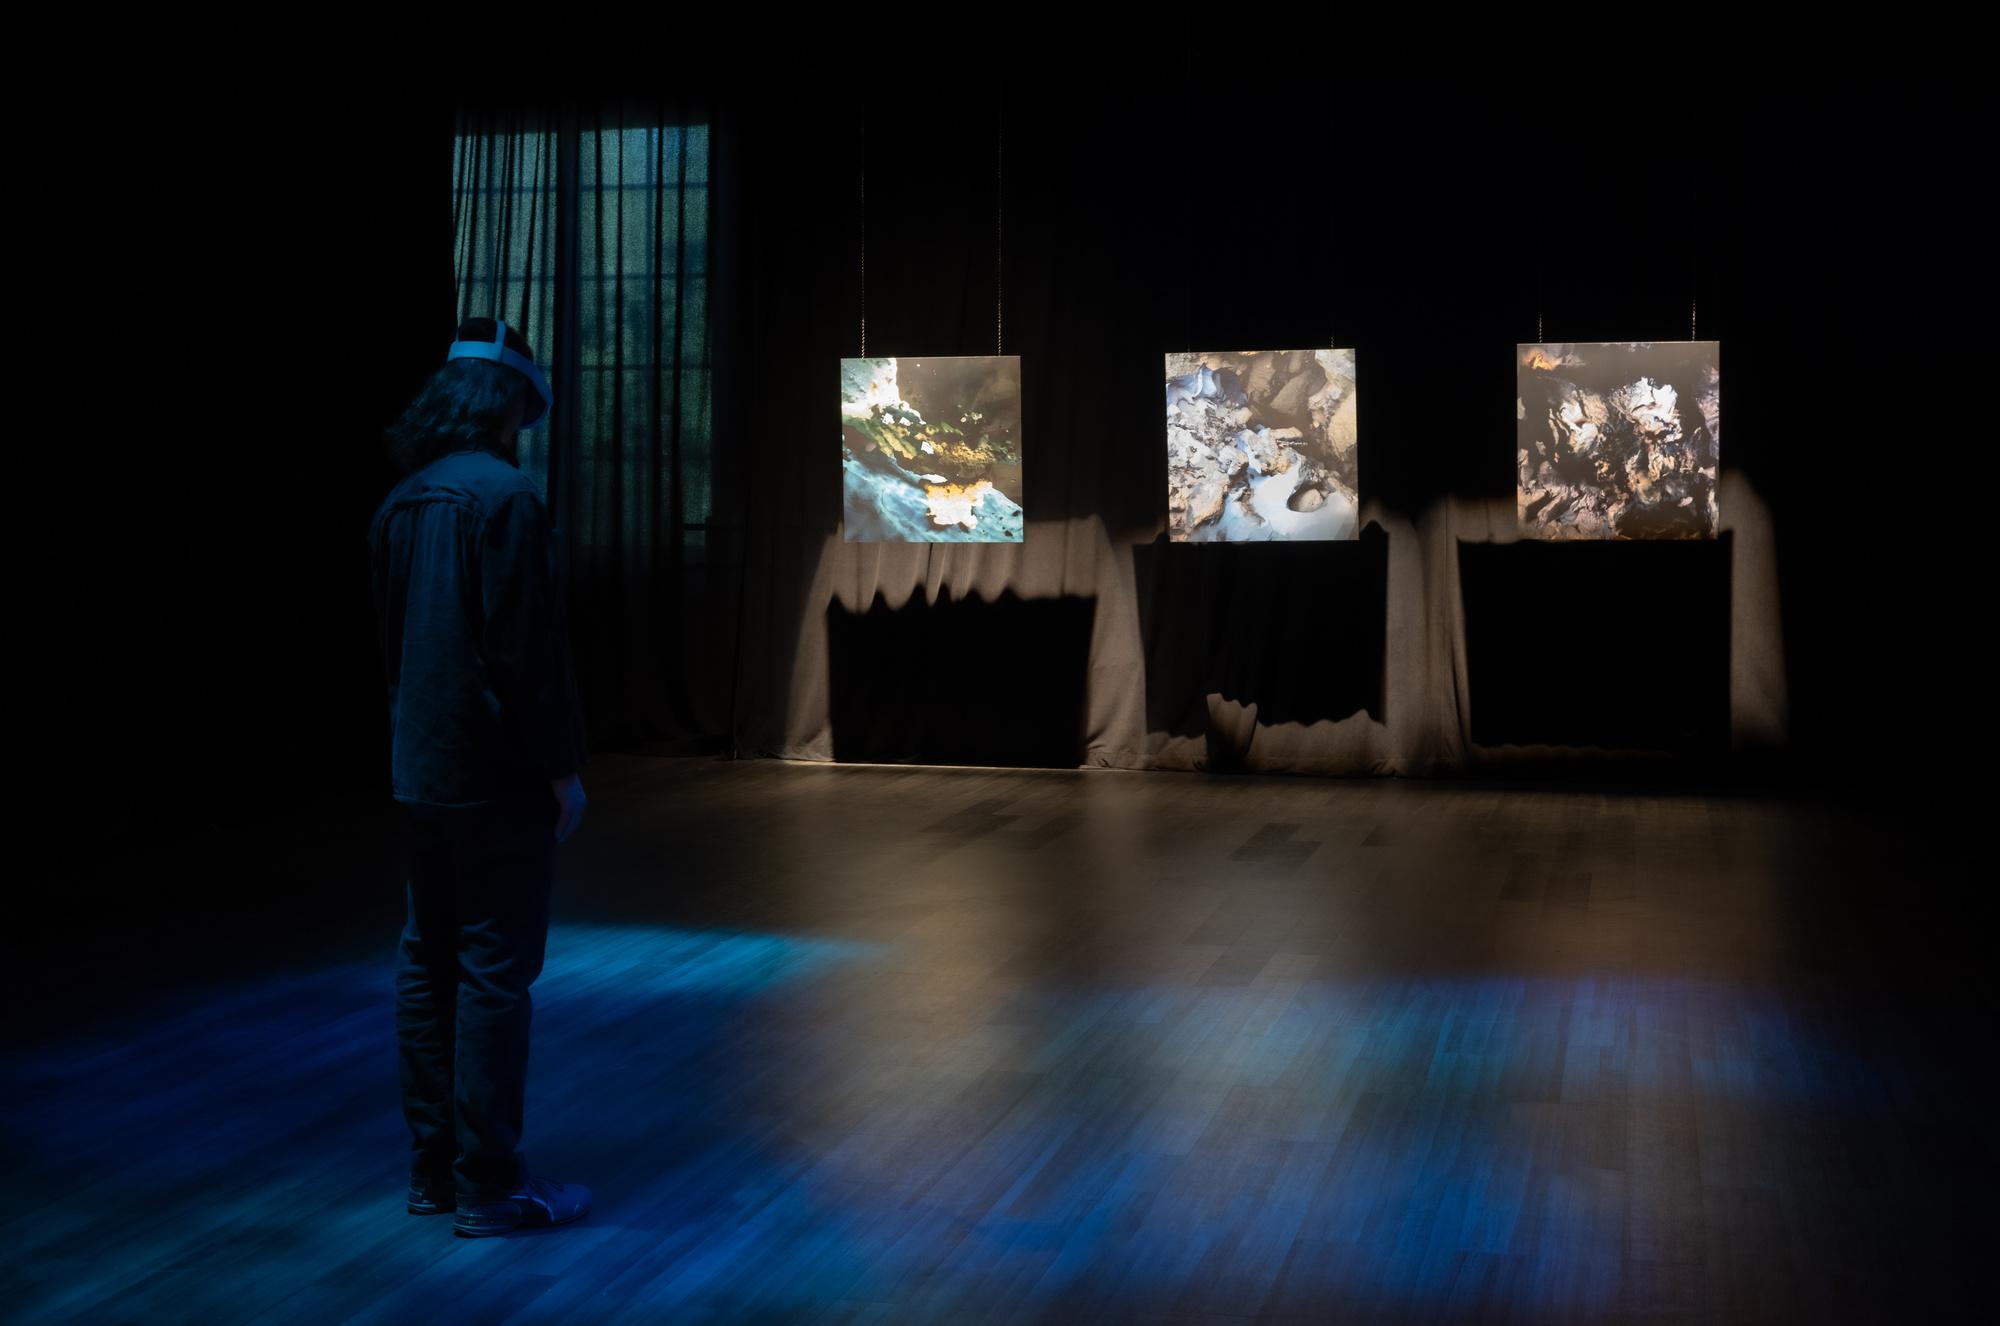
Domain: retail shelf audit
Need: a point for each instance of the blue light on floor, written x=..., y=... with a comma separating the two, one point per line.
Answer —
x=765, y=1135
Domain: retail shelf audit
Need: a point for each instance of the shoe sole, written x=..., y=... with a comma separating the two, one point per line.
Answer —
x=431, y=1201
x=490, y=1231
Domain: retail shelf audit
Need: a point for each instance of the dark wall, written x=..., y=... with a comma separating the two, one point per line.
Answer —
x=1824, y=235
x=239, y=265
x=239, y=262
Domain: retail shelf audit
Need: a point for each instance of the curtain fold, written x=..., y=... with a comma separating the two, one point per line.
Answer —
x=586, y=225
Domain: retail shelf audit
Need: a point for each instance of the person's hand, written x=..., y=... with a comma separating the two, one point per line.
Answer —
x=570, y=800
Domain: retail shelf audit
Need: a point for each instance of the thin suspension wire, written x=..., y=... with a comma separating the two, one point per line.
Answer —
x=999, y=219
x=1187, y=214
x=864, y=236
x=1694, y=264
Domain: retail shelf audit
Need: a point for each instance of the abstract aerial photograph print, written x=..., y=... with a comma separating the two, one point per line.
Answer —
x=1619, y=440
x=1260, y=446
x=930, y=449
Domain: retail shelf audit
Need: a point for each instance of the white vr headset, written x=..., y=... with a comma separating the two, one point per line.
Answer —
x=497, y=351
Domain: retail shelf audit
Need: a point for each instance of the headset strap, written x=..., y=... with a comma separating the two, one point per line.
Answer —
x=497, y=351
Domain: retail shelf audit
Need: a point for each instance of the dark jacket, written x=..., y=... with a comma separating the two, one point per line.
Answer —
x=482, y=697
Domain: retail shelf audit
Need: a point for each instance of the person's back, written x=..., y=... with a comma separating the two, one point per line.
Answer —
x=482, y=699
x=486, y=744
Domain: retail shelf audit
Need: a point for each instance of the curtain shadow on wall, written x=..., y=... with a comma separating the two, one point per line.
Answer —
x=961, y=681
x=1294, y=629
x=1621, y=644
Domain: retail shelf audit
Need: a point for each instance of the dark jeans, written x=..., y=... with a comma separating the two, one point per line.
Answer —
x=478, y=894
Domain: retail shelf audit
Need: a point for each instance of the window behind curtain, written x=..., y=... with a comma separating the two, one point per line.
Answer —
x=636, y=265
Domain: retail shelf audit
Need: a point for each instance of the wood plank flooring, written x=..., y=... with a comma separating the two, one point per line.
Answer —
x=869, y=1044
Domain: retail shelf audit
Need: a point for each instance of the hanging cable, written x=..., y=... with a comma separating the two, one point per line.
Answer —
x=999, y=221
x=1694, y=295
x=864, y=236
x=1187, y=217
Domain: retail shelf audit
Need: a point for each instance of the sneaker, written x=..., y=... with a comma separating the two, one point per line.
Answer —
x=431, y=1196
x=532, y=1204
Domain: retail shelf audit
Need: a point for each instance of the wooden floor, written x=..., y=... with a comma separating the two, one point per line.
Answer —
x=864, y=1044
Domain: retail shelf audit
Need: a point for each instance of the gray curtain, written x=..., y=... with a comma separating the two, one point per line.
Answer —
x=588, y=228
x=1168, y=657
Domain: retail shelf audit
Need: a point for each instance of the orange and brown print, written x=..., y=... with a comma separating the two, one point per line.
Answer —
x=1618, y=439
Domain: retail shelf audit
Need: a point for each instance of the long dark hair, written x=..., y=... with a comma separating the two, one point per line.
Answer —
x=464, y=404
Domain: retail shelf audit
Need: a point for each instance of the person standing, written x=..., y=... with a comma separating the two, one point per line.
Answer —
x=486, y=753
